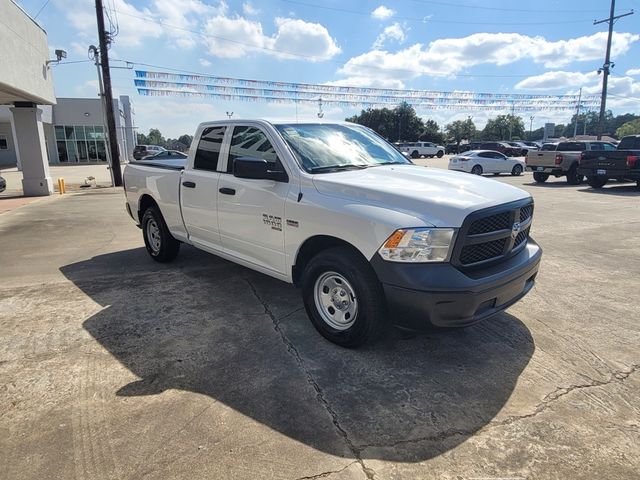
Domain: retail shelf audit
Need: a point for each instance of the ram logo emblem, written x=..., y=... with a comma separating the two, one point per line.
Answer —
x=515, y=230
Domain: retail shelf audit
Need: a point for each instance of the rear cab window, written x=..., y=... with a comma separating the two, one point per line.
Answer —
x=629, y=143
x=571, y=147
x=208, y=151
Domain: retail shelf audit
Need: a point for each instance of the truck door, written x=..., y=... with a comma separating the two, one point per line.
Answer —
x=251, y=211
x=199, y=190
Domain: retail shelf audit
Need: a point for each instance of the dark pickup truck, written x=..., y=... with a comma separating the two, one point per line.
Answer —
x=620, y=164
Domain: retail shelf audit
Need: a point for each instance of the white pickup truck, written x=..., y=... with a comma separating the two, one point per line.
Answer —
x=369, y=237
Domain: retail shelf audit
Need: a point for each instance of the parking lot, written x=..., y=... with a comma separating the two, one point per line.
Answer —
x=113, y=366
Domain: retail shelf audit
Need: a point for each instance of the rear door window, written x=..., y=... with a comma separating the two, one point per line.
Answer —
x=208, y=151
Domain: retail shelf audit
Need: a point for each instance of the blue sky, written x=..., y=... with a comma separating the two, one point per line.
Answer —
x=537, y=47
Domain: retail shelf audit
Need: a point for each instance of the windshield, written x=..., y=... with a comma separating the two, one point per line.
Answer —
x=327, y=147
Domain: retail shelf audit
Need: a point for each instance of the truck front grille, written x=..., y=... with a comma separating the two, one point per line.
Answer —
x=494, y=234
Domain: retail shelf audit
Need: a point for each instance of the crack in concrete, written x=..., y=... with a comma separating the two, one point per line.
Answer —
x=327, y=473
x=618, y=376
x=370, y=473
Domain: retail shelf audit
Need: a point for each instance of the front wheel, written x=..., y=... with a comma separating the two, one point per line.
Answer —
x=596, y=182
x=415, y=154
x=159, y=242
x=540, y=177
x=476, y=170
x=439, y=154
x=343, y=297
x=516, y=171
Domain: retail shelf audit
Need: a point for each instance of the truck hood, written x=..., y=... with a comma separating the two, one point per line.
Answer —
x=437, y=197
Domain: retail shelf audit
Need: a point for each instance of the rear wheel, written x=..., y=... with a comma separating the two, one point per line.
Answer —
x=476, y=170
x=439, y=154
x=343, y=297
x=573, y=177
x=157, y=239
x=516, y=170
x=540, y=177
x=596, y=182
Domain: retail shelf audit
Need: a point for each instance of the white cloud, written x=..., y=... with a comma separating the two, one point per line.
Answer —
x=204, y=62
x=392, y=32
x=293, y=39
x=382, y=13
x=373, y=82
x=555, y=80
x=448, y=56
x=249, y=9
x=88, y=89
x=633, y=71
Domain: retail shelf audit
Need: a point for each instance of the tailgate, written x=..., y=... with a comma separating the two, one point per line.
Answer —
x=541, y=159
x=604, y=161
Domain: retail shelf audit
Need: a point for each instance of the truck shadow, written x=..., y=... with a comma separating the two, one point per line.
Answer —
x=208, y=326
x=618, y=189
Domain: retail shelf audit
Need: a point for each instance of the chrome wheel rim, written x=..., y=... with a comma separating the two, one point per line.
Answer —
x=153, y=235
x=335, y=300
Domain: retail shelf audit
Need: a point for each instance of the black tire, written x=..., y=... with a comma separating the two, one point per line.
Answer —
x=164, y=248
x=596, y=182
x=540, y=177
x=370, y=317
x=516, y=171
x=573, y=177
x=476, y=170
x=415, y=154
x=440, y=154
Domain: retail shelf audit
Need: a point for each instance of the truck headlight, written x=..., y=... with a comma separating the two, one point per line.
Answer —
x=418, y=245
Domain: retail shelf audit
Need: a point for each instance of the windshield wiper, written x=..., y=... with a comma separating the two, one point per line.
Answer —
x=338, y=168
x=390, y=163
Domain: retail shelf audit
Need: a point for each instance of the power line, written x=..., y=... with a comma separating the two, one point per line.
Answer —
x=422, y=19
x=41, y=8
x=312, y=57
x=498, y=9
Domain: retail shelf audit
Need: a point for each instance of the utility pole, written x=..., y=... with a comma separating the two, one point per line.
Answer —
x=575, y=126
x=108, y=97
x=513, y=109
x=607, y=63
x=93, y=50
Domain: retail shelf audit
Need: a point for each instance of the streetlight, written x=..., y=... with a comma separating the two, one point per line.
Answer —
x=229, y=114
x=531, y=126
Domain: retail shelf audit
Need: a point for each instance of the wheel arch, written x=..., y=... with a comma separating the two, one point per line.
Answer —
x=314, y=245
x=145, y=202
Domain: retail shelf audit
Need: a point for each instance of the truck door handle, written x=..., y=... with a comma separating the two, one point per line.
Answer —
x=227, y=191
x=189, y=184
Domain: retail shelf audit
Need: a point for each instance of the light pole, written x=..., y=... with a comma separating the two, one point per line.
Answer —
x=229, y=114
x=531, y=126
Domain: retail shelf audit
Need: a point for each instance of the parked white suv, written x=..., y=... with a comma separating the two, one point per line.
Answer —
x=335, y=209
x=418, y=149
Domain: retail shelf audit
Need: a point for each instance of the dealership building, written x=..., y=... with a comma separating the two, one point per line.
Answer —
x=36, y=128
x=74, y=131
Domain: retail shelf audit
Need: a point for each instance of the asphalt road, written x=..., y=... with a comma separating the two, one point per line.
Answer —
x=115, y=367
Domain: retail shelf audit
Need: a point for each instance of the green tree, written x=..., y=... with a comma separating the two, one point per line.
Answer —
x=401, y=123
x=156, y=138
x=629, y=128
x=431, y=132
x=503, y=127
x=461, y=130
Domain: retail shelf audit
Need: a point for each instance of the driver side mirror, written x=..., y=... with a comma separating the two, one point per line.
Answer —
x=257, y=169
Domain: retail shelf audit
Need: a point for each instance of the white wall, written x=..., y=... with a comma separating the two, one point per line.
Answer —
x=24, y=75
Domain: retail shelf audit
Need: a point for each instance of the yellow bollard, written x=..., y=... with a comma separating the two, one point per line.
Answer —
x=61, y=185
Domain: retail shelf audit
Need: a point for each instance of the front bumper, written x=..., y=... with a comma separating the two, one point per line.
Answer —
x=420, y=296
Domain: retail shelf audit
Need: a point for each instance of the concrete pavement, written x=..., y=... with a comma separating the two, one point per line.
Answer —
x=114, y=366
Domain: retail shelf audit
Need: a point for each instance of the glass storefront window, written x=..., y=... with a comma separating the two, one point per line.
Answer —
x=80, y=144
x=68, y=133
x=99, y=129
x=59, y=133
x=62, y=151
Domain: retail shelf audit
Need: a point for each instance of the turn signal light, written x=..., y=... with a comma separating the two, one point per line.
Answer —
x=632, y=160
x=559, y=159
